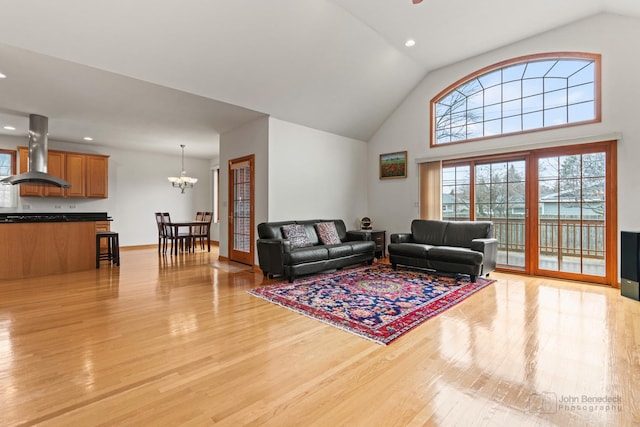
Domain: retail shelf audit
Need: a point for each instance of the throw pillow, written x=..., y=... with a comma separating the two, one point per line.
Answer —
x=296, y=234
x=327, y=233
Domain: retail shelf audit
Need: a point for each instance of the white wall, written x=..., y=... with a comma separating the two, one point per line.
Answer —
x=315, y=175
x=251, y=138
x=393, y=203
x=138, y=187
x=300, y=173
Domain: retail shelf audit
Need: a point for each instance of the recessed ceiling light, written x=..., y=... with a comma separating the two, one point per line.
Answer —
x=2, y=76
x=410, y=42
x=9, y=128
x=88, y=138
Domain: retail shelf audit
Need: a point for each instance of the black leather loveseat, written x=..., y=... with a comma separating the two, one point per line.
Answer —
x=279, y=255
x=466, y=247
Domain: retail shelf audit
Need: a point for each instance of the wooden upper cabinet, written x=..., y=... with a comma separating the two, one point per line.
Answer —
x=88, y=174
x=97, y=176
x=55, y=167
x=76, y=171
x=23, y=166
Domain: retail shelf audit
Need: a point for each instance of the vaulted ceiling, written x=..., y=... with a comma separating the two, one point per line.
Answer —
x=153, y=74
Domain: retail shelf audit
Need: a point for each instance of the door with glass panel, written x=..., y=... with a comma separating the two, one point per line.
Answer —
x=500, y=197
x=490, y=191
x=456, y=192
x=572, y=214
x=241, y=210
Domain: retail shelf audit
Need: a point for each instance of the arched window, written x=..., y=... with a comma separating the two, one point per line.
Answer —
x=519, y=95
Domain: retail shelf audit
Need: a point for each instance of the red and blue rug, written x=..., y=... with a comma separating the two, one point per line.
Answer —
x=373, y=302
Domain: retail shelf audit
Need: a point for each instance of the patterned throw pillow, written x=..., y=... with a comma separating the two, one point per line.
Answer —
x=296, y=234
x=327, y=233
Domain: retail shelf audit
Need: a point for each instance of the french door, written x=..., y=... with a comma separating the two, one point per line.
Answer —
x=491, y=190
x=576, y=215
x=241, y=209
x=500, y=196
x=554, y=210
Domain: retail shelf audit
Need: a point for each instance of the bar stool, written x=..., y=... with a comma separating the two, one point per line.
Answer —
x=113, y=247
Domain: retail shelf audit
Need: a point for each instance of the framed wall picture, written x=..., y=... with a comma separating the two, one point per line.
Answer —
x=393, y=165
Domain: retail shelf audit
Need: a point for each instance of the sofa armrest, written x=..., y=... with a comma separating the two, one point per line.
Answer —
x=489, y=247
x=358, y=235
x=401, y=238
x=271, y=255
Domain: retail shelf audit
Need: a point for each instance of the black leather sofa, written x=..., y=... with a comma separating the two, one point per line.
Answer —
x=465, y=247
x=277, y=256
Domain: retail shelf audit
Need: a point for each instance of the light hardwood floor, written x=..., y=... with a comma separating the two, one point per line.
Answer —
x=178, y=341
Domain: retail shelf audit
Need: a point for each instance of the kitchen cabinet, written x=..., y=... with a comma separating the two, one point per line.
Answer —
x=45, y=248
x=76, y=171
x=97, y=176
x=23, y=166
x=55, y=167
x=88, y=175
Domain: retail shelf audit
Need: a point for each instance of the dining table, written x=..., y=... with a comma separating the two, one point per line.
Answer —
x=176, y=225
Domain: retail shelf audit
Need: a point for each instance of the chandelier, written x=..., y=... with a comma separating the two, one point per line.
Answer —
x=182, y=181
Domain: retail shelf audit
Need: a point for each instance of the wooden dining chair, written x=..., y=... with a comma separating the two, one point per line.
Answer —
x=196, y=230
x=183, y=238
x=202, y=232
x=162, y=236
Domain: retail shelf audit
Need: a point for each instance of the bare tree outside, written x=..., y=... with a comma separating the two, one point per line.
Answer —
x=574, y=184
x=458, y=116
x=520, y=97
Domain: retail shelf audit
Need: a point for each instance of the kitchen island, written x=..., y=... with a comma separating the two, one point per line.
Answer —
x=40, y=244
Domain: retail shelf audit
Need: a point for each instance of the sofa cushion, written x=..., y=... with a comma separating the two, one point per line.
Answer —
x=310, y=225
x=327, y=233
x=461, y=233
x=310, y=228
x=413, y=250
x=296, y=234
x=339, y=250
x=341, y=228
x=455, y=255
x=429, y=232
x=308, y=254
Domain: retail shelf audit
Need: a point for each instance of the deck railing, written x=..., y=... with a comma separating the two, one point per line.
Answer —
x=568, y=237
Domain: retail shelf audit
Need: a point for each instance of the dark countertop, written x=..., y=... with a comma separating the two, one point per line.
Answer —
x=19, y=217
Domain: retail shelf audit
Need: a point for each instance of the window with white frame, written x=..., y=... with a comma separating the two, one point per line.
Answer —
x=7, y=168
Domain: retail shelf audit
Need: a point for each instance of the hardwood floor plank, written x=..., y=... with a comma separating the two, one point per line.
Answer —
x=179, y=341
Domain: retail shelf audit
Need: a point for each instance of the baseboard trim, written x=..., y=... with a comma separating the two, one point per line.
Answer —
x=255, y=267
x=155, y=245
x=134, y=247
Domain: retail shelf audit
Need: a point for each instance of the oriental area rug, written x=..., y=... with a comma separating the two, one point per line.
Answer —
x=373, y=302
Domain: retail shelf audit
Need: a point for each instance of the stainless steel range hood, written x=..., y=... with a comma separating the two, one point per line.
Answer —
x=37, y=171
